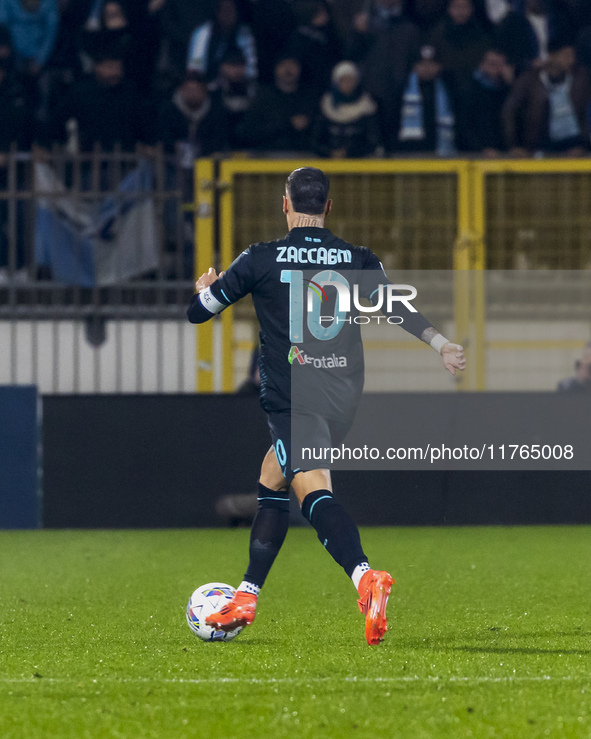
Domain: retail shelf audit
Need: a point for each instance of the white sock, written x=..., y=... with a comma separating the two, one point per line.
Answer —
x=358, y=573
x=249, y=587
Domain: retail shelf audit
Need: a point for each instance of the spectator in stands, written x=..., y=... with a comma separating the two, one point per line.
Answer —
x=193, y=124
x=33, y=25
x=387, y=44
x=179, y=19
x=281, y=115
x=347, y=125
x=524, y=34
x=15, y=119
x=194, y=121
x=460, y=41
x=315, y=43
x=64, y=65
x=581, y=382
x=273, y=22
x=427, y=123
x=427, y=13
x=235, y=91
x=114, y=16
x=211, y=41
x=378, y=16
x=479, y=115
x=112, y=30
x=136, y=35
x=107, y=108
x=115, y=24
x=496, y=10
x=484, y=12
x=73, y=15
x=547, y=108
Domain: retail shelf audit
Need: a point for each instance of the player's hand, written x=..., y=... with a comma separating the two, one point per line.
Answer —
x=453, y=357
x=206, y=280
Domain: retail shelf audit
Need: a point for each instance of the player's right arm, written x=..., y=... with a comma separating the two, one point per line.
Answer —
x=214, y=293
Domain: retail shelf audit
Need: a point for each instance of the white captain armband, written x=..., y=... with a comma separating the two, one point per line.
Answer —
x=437, y=342
x=210, y=302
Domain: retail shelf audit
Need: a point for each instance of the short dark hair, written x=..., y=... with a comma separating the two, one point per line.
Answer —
x=194, y=76
x=559, y=42
x=494, y=49
x=307, y=188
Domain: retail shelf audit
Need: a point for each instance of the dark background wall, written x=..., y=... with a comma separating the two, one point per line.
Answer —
x=162, y=461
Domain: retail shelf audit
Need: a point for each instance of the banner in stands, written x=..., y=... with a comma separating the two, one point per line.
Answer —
x=87, y=241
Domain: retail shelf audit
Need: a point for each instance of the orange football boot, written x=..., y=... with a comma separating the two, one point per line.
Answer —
x=240, y=611
x=374, y=589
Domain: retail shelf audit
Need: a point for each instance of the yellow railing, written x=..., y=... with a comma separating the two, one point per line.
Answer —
x=205, y=258
x=415, y=214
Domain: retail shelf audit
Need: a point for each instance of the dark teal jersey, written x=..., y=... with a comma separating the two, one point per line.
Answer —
x=299, y=287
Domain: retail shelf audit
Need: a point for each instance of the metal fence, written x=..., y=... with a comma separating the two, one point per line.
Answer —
x=96, y=270
x=436, y=215
x=97, y=261
x=537, y=219
x=412, y=216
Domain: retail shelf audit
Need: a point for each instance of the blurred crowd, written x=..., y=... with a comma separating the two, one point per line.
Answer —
x=347, y=78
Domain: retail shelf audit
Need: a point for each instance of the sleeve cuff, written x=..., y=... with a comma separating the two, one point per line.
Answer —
x=437, y=342
x=210, y=302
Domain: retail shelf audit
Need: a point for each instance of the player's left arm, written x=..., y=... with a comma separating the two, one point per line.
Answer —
x=215, y=292
x=415, y=322
x=451, y=354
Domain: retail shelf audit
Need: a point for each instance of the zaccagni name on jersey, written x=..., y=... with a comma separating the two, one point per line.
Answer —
x=315, y=255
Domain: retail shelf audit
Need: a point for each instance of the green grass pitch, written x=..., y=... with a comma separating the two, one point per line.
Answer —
x=490, y=636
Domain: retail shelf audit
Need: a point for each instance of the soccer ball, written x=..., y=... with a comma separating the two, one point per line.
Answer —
x=208, y=599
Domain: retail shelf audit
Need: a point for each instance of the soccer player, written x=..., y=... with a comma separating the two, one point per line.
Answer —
x=266, y=270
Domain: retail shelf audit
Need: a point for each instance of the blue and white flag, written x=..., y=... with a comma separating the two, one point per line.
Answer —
x=90, y=243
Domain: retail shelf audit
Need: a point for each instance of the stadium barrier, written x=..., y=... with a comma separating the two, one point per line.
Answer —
x=116, y=461
x=469, y=216
x=96, y=270
x=98, y=253
x=19, y=458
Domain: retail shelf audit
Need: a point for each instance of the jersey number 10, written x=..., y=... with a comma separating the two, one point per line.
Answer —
x=315, y=297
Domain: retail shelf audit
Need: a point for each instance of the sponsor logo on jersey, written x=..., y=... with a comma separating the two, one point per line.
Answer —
x=318, y=362
x=295, y=353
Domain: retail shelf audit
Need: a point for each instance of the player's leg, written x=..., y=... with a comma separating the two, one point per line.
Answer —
x=335, y=528
x=267, y=535
x=340, y=536
x=270, y=524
